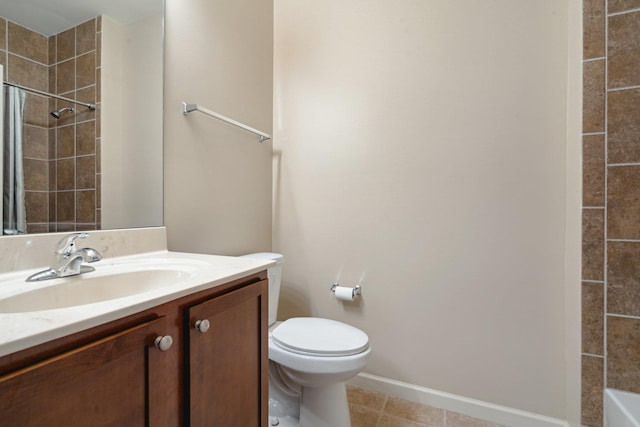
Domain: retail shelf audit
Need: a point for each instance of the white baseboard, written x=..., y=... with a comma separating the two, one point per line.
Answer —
x=451, y=402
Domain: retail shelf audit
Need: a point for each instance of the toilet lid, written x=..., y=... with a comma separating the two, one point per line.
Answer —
x=320, y=337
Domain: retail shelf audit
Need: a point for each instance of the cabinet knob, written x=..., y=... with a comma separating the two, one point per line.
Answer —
x=164, y=343
x=202, y=325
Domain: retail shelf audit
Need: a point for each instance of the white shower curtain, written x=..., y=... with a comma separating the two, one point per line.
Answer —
x=15, y=218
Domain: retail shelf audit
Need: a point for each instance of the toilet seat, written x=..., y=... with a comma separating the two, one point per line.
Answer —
x=319, y=337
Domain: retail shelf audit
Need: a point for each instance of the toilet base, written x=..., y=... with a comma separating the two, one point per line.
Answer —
x=325, y=406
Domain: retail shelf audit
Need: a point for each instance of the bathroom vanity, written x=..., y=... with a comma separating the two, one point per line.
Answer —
x=194, y=356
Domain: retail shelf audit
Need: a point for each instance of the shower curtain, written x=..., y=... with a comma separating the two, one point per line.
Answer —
x=13, y=208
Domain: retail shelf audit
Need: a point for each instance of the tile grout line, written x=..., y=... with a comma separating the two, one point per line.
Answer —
x=623, y=316
x=381, y=413
x=624, y=12
x=618, y=89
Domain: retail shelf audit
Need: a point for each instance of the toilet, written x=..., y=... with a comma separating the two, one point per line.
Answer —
x=310, y=359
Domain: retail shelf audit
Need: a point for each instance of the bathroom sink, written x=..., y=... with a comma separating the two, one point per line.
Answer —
x=108, y=282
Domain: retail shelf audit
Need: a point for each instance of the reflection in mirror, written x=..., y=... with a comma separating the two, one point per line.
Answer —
x=82, y=140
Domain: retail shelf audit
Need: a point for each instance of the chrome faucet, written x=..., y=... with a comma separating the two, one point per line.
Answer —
x=68, y=261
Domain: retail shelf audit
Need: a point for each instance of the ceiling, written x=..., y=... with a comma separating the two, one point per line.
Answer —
x=50, y=17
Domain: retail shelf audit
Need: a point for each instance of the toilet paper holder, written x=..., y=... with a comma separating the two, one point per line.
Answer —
x=355, y=292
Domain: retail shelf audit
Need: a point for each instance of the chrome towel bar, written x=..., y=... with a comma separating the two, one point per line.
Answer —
x=187, y=108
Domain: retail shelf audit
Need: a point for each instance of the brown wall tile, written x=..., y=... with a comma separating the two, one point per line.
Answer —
x=66, y=174
x=622, y=289
x=27, y=43
x=86, y=37
x=98, y=189
x=37, y=228
x=65, y=209
x=37, y=206
x=593, y=244
x=593, y=28
x=98, y=87
x=65, y=142
x=623, y=353
x=593, y=96
x=623, y=202
x=86, y=172
x=86, y=227
x=98, y=49
x=623, y=278
x=53, y=122
x=65, y=227
x=52, y=143
x=3, y=62
x=36, y=110
x=28, y=73
x=593, y=171
x=98, y=157
x=52, y=207
x=66, y=44
x=624, y=50
x=86, y=138
x=3, y=34
x=592, y=389
x=593, y=318
x=53, y=85
x=622, y=5
x=53, y=51
x=36, y=175
x=52, y=176
x=36, y=143
x=86, y=95
x=86, y=70
x=623, y=143
x=86, y=206
x=66, y=76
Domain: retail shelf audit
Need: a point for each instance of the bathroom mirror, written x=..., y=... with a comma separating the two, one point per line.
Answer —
x=97, y=163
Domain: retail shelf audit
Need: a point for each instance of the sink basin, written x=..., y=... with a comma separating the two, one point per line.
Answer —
x=108, y=282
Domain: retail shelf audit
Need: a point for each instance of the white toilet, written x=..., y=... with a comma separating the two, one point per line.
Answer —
x=309, y=361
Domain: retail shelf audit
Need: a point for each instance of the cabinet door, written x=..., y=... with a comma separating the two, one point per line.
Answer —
x=228, y=383
x=106, y=383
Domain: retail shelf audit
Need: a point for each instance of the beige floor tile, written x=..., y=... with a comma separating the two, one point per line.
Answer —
x=363, y=417
x=389, y=421
x=367, y=398
x=459, y=420
x=414, y=412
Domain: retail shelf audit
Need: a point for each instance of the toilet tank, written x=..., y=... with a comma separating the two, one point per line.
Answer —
x=274, y=274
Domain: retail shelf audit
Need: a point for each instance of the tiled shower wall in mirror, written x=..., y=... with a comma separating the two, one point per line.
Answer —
x=61, y=156
x=611, y=202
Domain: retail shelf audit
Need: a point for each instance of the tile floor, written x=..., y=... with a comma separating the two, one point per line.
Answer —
x=373, y=409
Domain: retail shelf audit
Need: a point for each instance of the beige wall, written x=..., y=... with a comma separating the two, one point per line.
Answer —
x=218, y=177
x=421, y=150
x=131, y=123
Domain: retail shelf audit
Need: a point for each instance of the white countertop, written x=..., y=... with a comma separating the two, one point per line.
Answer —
x=23, y=330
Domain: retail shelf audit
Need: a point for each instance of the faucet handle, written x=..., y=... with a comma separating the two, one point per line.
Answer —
x=66, y=245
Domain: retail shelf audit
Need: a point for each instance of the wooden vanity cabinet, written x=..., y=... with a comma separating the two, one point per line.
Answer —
x=115, y=375
x=224, y=371
x=109, y=382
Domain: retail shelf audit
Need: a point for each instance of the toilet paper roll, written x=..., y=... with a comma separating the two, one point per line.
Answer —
x=344, y=293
